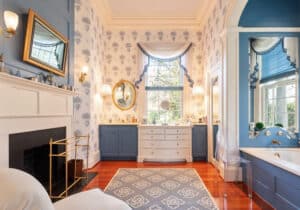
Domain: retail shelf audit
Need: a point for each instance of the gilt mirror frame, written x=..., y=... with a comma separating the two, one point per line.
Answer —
x=127, y=84
x=33, y=18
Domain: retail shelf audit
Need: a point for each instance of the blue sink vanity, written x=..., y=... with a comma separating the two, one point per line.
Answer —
x=128, y=141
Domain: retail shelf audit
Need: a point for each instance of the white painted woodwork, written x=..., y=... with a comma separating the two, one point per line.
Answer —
x=29, y=106
x=164, y=143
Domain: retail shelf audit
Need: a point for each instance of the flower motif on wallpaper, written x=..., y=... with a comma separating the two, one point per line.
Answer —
x=77, y=102
x=160, y=35
x=122, y=57
x=86, y=86
x=128, y=70
x=86, y=22
x=128, y=46
x=115, y=70
x=115, y=45
x=133, y=59
x=199, y=58
x=108, y=58
x=86, y=53
x=108, y=35
x=122, y=35
x=199, y=35
x=86, y=117
x=186, y=35
x=147, y=34
x=173, y=35
x=77, y=37
x=134, y=35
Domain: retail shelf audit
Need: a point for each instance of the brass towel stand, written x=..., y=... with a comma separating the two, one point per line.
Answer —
x=71, y=145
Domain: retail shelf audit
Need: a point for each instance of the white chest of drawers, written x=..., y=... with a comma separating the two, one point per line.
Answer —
x=165, y=143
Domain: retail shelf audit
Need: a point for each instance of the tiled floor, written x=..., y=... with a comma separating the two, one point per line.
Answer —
x=227, y=195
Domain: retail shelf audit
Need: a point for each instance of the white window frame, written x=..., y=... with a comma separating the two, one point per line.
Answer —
x=273, y=84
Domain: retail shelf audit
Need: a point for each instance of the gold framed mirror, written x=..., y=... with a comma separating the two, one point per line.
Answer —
x=45, y=47
x=124, y=95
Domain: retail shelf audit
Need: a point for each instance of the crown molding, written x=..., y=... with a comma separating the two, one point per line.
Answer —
x=196, y=23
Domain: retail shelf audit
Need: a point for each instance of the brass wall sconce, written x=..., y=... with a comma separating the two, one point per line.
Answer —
x=11, y=21
x=83, y=74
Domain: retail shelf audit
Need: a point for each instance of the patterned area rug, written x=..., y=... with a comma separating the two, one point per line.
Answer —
x=161, y=189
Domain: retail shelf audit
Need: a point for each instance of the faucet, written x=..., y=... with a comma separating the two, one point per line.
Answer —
x=275, y=141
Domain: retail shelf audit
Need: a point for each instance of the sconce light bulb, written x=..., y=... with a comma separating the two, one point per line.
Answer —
x=85, y=70
x=11, y=21
x=197, y=90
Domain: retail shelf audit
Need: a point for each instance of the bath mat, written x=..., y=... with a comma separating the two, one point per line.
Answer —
x=161, y=189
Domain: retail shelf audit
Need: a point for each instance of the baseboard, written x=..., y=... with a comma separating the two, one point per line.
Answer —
x=94, y=158
x=233, y=174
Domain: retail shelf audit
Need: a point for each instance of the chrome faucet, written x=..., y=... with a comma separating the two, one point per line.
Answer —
x=275, y=141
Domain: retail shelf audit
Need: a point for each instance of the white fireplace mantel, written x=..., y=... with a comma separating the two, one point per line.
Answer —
x=28, y=106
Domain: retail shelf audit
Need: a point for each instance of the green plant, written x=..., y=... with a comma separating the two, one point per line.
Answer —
x=279, y=125
x=259, y=126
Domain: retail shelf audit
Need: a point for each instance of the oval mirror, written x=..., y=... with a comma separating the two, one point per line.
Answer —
x=124, y=95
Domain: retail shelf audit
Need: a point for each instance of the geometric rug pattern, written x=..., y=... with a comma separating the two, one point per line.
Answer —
x=161, y=189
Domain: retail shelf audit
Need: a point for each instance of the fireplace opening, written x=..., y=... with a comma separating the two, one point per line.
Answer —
x=29, y=151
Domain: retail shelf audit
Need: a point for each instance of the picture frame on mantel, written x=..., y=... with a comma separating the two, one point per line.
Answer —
x=45, y=47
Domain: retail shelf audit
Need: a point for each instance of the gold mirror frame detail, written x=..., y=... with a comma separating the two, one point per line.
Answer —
x=32, y=17
x=115, y=100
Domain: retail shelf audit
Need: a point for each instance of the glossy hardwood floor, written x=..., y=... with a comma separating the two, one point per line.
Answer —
x=227, y=195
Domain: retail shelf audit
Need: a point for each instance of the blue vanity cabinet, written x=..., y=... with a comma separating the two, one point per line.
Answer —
x=199, y=142
x=118, y=142
x=278, y=187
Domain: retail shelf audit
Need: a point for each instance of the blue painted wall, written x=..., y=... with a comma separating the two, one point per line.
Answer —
x=261, y=140
x=271, y=13
x=59, y=13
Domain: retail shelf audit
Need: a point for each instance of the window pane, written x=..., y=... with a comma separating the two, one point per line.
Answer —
x=167, y=78
x=164, y=74
x=280, y=104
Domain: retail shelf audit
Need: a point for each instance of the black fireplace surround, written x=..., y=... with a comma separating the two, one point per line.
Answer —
x=29, y=151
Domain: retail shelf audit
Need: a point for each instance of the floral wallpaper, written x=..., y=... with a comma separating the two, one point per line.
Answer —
x=121, y=61
x=211, y=47
x=88, y=52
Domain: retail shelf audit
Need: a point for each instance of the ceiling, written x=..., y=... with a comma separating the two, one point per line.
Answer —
x=187, y=13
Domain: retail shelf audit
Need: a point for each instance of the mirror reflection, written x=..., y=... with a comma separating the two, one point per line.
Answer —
x=124, y=95
x=273, y=82
x=46, y=47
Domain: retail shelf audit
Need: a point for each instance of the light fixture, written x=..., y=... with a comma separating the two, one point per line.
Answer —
x=83, y=73
x=197, y=90
x=11, y=21
x=105, y=90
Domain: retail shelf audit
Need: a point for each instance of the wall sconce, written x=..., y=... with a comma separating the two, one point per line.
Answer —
x=11, y=21
x=197, y=91
x=105, y=90
x=83, y=73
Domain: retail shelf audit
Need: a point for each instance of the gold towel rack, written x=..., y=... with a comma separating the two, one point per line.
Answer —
x=71, y=145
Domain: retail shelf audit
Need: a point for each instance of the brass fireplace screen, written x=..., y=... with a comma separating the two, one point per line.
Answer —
x=70, y=154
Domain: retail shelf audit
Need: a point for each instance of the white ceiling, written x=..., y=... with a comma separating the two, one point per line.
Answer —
x=154, y=12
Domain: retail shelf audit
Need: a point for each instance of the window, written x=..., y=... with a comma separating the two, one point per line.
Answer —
x=279, y=103
x=164, y=85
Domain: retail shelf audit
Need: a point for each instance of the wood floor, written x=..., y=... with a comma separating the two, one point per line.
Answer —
x=227, y=195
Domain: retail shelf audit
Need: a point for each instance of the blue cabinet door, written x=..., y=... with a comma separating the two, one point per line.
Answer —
x=199, y=142
x=108, y=141
x=128, y=142
x=118, y=142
